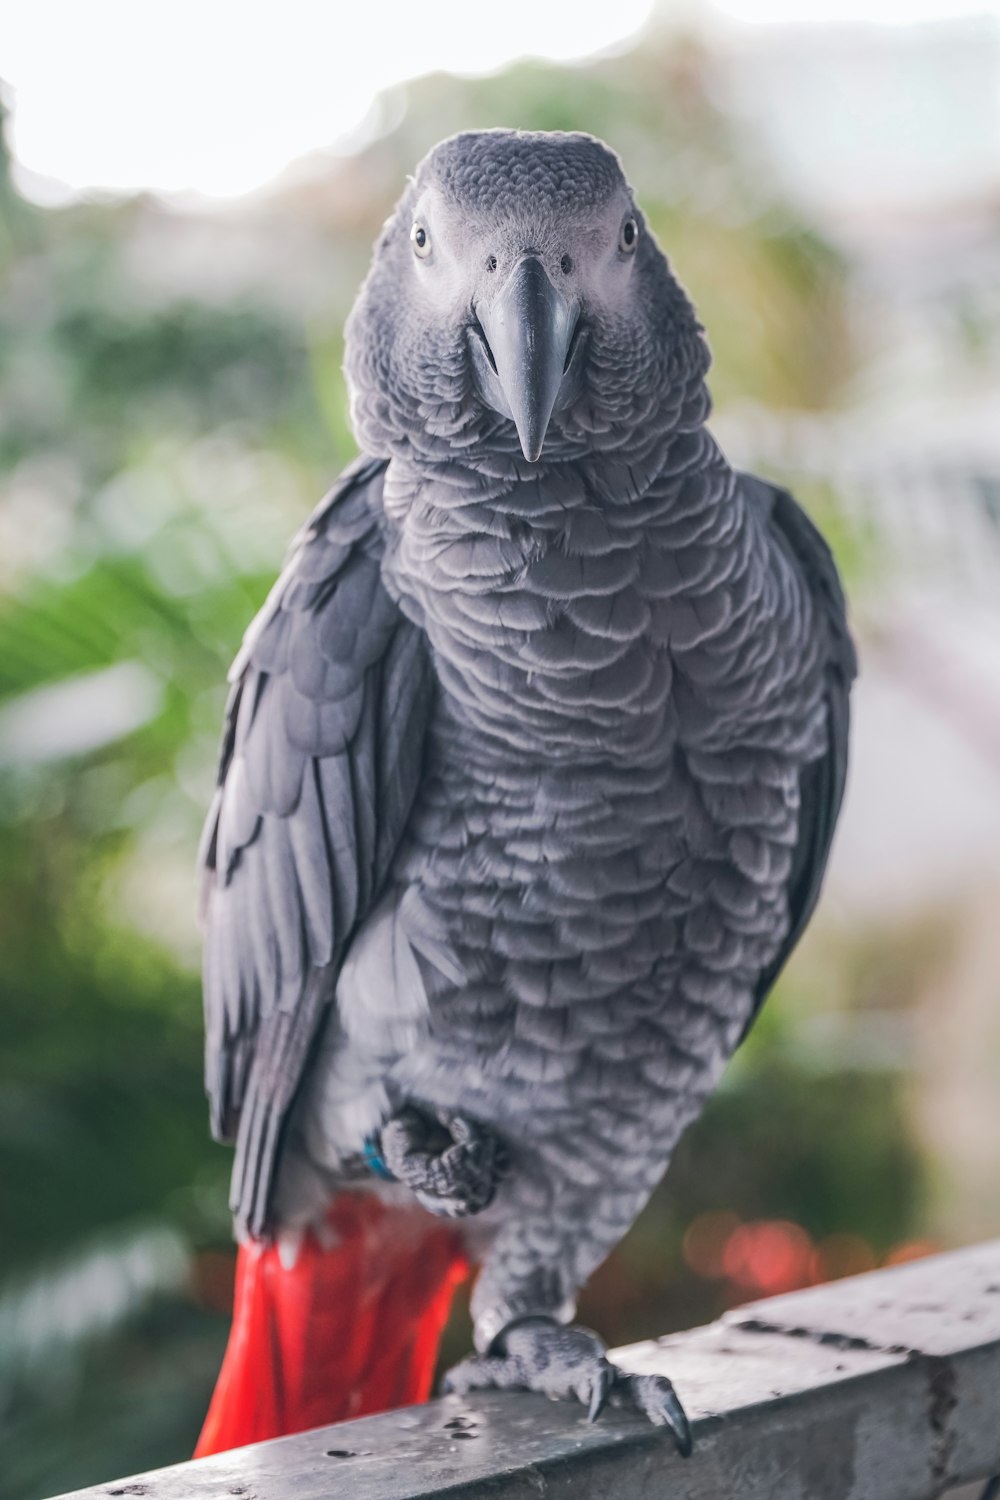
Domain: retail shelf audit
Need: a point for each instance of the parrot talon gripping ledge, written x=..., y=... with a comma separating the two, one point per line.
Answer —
x=539, y=1354
x=531, y=768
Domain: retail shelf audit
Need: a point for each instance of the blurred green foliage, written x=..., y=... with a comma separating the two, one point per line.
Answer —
x=171, y=406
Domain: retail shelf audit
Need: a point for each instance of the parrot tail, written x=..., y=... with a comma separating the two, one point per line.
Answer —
x=351, y=1328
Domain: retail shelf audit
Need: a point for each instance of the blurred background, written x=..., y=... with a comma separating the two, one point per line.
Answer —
x=188, y=196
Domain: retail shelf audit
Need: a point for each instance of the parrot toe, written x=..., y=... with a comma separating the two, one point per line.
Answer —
x=453, y=1167
x=603, y=1386
x=655, y=1397
x=538, y=1354
x=569, y=1363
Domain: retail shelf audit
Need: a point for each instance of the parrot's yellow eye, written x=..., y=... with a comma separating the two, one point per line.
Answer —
x=629, y=236
x=421, y=241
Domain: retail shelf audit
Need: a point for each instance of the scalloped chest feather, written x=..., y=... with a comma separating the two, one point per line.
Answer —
x=596, y=816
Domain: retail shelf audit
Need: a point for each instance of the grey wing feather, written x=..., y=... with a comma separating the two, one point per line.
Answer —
x=321, y=759
x=821, y=785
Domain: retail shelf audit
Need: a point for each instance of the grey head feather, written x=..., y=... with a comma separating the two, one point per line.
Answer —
x=487, y=201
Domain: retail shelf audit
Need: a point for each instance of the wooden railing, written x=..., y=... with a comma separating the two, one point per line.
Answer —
x=881, y=1387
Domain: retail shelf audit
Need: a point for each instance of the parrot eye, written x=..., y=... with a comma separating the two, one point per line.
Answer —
x=421, y=241
x=628, y=237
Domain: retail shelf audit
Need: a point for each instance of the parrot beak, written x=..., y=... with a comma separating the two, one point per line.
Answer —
x=525, y=339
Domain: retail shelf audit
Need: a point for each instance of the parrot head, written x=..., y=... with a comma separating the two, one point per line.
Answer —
x=517, y=302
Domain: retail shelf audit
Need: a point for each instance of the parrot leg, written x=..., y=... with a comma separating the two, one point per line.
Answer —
x=453, y=1169
x=539, y=1354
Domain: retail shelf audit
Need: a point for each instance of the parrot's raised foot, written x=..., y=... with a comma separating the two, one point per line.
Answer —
x=538, y=1354
x=454, y=1168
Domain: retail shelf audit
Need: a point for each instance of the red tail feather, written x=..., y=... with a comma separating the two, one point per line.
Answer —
x=345, y=1331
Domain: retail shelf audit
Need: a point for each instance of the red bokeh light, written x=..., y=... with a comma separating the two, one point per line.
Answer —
x=911, y=1250
x=770, y=1256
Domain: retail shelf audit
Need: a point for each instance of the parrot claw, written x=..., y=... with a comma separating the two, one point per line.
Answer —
x=565, y=1363
x=453, y=1166
x=603, y=1385
x=655, y=1397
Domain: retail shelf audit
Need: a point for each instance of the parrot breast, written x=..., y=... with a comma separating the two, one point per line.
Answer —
x=586, y=868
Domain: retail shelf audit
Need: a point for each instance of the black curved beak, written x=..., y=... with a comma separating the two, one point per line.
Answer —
x=528, y=330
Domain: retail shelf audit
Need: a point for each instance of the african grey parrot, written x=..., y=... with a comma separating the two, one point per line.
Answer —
x=532, y=765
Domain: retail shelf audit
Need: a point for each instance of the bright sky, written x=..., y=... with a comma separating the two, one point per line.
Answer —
x=219, y=95
x=823, y=12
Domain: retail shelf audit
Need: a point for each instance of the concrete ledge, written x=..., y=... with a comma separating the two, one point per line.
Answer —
x=880, y=1387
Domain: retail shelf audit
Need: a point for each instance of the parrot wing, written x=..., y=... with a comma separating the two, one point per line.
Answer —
x=821, y=785
x=321, y=759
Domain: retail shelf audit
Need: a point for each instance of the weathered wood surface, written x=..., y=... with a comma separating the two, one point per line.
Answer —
x=881, y=1387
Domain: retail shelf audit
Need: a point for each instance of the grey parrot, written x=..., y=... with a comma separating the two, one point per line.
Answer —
x=532, y=764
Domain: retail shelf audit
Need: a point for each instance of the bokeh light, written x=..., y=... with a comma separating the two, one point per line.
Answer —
x=771, y=1256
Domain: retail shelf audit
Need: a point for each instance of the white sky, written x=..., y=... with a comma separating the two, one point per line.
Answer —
x=878, y=12
x=219, y=95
